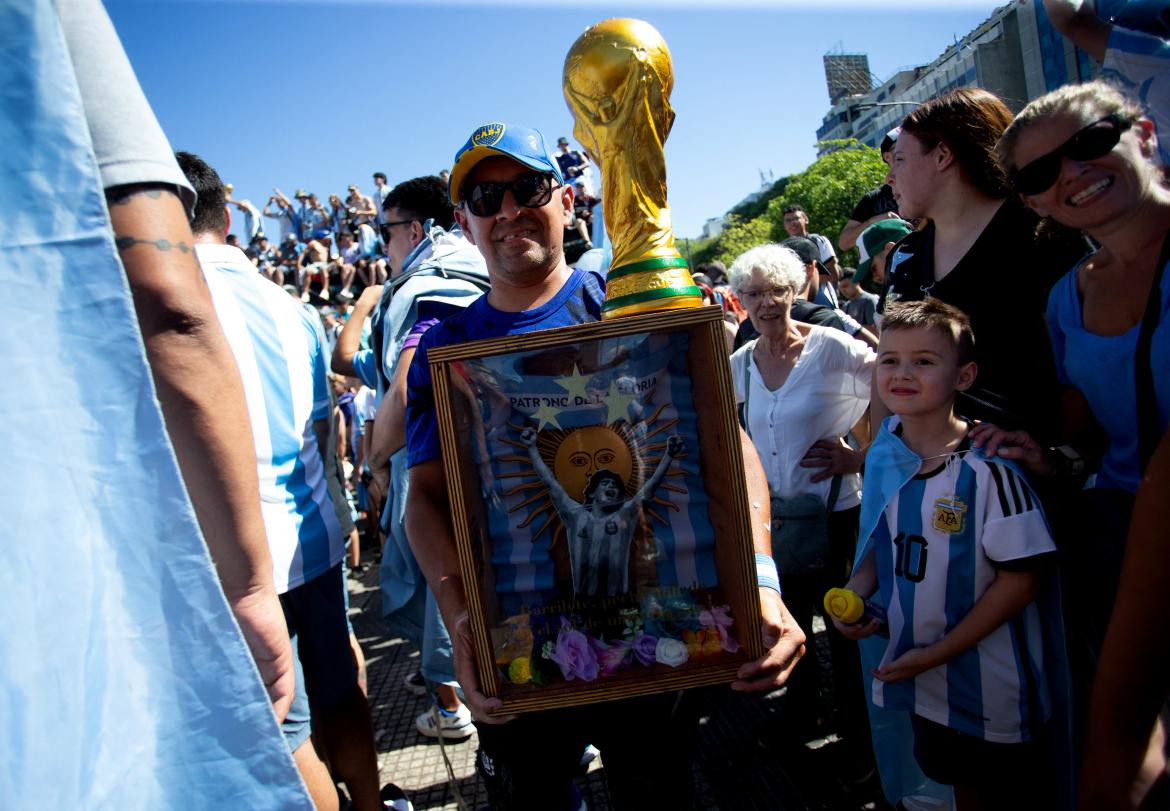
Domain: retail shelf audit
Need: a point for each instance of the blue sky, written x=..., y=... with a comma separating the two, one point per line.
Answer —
x=321, y=94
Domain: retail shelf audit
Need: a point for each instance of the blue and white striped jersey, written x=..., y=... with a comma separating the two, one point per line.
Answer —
x=938, y=544
x=281, y=351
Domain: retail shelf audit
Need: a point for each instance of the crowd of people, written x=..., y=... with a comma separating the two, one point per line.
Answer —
x=967, y=431
x=331, y=252
x=1012, y=267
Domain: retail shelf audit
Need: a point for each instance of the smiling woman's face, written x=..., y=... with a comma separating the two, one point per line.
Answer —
x=767, y=304
x=1094, y=193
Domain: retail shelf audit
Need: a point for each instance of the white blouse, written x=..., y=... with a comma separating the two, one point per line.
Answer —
x=824, y=396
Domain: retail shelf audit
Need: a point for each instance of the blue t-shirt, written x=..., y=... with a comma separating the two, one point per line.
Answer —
x=578, y=301
x=1102, y=368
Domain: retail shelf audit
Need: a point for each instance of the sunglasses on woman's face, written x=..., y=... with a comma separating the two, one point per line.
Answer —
x=1094, y=141
x=531, y=190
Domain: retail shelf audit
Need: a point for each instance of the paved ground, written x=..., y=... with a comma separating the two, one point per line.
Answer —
x=745, y=760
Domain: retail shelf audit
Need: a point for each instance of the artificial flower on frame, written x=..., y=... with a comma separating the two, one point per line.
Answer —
x=718, y=620
x=671, y=652
x=644, y=649
x=520, y=670
x=632, y=621
x=516, y=639
x=611, y=656
x=574, y=655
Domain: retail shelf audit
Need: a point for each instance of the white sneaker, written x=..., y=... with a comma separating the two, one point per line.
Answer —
x=415, y=684
x=437, y=722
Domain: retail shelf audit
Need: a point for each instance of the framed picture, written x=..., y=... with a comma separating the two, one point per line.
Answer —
x=597, y=488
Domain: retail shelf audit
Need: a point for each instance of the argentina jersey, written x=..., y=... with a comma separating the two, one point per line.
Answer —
x=937, y=548
x=279, y=347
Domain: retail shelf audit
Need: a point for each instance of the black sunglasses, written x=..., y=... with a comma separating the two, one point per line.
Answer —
x=1092, y=142
x=384, y=228
x=531, y=190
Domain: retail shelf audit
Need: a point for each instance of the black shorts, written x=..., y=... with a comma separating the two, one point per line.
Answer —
x=1002, y=774
x=315, y=613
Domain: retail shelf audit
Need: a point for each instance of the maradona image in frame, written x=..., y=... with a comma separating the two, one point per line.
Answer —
x=602, y=554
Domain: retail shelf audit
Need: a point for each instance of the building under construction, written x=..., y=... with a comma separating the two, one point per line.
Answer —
x=847, y=75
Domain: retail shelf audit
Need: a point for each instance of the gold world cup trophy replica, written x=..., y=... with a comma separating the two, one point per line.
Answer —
x=617, y=83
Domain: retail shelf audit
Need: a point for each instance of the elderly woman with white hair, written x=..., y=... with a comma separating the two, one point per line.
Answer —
x=803, y=388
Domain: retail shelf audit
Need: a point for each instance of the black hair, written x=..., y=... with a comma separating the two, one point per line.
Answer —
x=422, y=198
x=847, y=273
x=716, y=271
x=210, y=216
x=380, y=175
x=597, y=478
x=794, y=207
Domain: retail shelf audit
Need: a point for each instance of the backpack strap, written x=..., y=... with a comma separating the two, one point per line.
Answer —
x=1148, y=421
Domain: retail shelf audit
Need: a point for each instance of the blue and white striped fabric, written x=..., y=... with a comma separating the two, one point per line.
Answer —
x=1140, y=63
x=280, y=348
x=930, y=578
x=654, y=364
x=124, y=680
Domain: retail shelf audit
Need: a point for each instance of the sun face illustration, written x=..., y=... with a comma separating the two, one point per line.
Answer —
x=576, y=454
x=585, y=451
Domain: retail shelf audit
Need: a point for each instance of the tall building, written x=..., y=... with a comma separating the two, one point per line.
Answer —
x=1015, y=53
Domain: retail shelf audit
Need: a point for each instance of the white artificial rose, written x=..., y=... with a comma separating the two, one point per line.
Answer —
x=670, y=652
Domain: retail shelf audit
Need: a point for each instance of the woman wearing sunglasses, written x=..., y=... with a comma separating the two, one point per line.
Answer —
x=1086, y=157
x=977, y=250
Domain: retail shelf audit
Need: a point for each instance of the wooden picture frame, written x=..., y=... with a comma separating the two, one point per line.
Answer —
x=600, y=509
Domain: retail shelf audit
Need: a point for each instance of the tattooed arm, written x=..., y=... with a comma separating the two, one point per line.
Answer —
x=202, y=399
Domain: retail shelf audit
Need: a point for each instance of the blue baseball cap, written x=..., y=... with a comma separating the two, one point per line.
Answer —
x=521, y=144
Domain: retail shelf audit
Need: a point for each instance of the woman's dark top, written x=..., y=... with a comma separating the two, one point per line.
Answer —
x=1002, y=284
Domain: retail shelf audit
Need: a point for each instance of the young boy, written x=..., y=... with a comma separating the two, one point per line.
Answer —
x=957, y=549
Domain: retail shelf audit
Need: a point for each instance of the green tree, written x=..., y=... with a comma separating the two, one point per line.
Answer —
x=829, y=188
x=737, y=236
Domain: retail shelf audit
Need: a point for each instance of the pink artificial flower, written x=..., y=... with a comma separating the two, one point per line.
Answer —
x=574, y=655
x=613, y=655
x=719, y=620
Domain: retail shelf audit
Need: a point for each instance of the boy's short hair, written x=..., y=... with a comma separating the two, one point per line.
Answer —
x=933, y=314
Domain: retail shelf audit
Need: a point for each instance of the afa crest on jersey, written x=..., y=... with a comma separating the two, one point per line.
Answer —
x=948, y=515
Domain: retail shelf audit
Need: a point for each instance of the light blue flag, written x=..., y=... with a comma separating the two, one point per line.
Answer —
x=124, y=681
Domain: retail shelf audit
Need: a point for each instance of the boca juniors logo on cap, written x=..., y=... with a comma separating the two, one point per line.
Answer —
x=488, y=135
